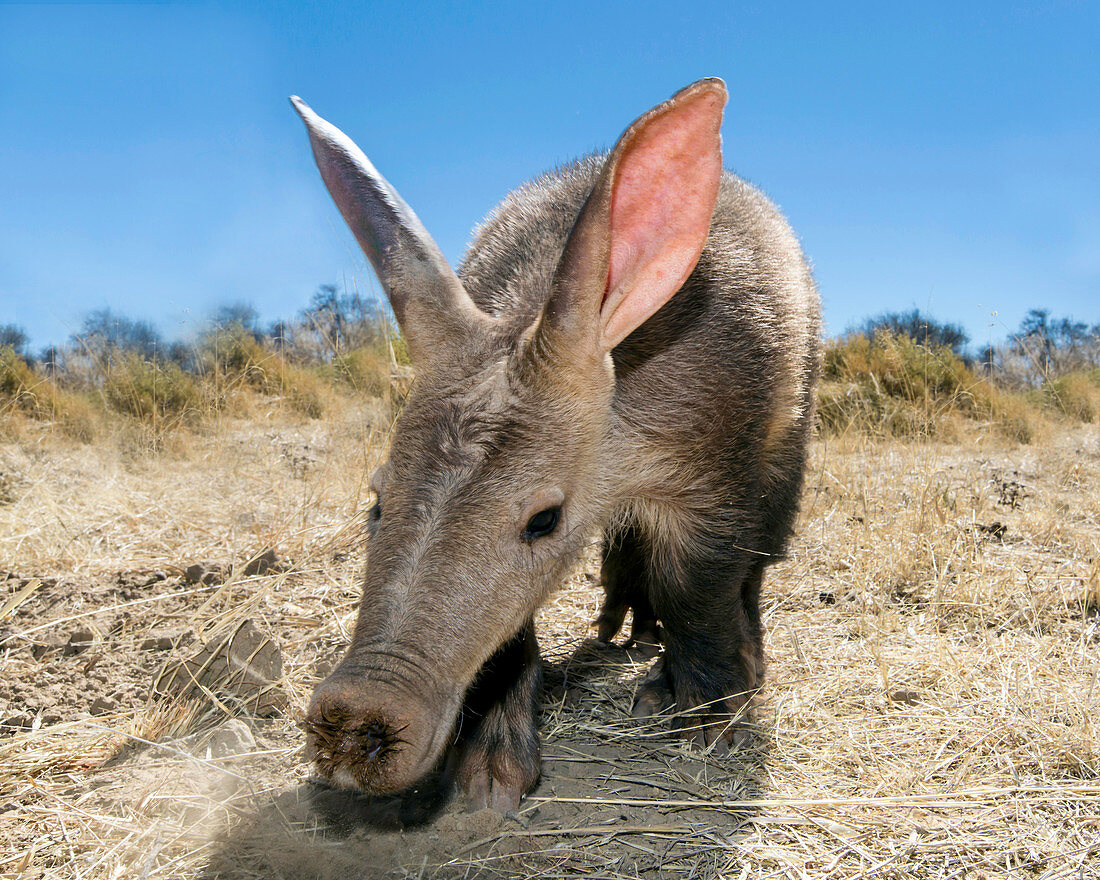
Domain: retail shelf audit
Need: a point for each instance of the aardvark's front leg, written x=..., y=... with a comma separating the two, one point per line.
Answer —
x=497, y=749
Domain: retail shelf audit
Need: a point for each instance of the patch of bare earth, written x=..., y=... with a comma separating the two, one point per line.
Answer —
x=930, y=708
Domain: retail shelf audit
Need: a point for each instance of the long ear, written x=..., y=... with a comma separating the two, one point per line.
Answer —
x=429, y=301
x=640, y=233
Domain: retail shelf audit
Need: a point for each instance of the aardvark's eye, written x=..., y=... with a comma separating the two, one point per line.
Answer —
x=542, y=523
x=374, y=517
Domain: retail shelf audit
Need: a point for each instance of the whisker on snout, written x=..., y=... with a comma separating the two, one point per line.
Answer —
x=355, y=750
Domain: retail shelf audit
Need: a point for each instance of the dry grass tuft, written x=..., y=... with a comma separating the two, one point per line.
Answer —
x=25, y=393
x=1075, y=395
x=234, y=359
x=892, y=386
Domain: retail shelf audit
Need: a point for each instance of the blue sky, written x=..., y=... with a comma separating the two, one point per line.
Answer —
x=943, y=156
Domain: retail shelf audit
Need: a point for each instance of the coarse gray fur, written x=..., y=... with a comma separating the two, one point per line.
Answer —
x=725, y=370
x=684, y=444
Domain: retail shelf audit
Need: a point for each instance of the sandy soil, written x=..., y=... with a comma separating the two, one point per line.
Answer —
x=930, y=708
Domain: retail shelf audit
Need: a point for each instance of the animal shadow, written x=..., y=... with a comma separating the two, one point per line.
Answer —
x=590, y=779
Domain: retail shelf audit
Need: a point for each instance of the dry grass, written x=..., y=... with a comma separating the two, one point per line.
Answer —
x=893, y=386
x=930, y=708
x=1076, y=395
x=24, y=394
x=156, y=402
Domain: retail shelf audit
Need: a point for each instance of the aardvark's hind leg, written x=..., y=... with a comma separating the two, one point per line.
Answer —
x=624, y=574
x=713, y=659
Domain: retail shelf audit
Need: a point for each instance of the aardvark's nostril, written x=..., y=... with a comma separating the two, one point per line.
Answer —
x=366, y=742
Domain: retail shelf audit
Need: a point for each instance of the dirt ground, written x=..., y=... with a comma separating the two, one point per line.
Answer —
x=930, y=710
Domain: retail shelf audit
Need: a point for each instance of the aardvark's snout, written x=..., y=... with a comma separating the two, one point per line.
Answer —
x=366, y=736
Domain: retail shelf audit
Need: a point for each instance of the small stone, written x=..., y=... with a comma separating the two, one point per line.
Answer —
x=262, y=564
x=209, y=573
x=103, y=706
x=995, y=529
x=158, y=643
x=14, y=723
x=79, y=640
x=908, y=698
x=193, y=573
x=232, y=738
x=42, y=649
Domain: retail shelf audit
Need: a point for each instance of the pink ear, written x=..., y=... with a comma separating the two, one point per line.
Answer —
x=665, y=186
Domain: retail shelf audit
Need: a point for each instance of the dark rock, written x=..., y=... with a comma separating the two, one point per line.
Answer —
x=41, y=649
x=208, y=573
x=15, y=723
x=996, y=530
x=907, y=698
x=193, y=573
x=262, y=564
x=79, y=640
x=103, y=706
x=167, y=639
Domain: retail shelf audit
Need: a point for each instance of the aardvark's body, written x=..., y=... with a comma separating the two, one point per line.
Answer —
x=630, y=345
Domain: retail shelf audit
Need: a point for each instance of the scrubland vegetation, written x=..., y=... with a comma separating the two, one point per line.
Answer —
x=907, y=376
x=897, y=375
x=119, y=375
x=933, y=638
